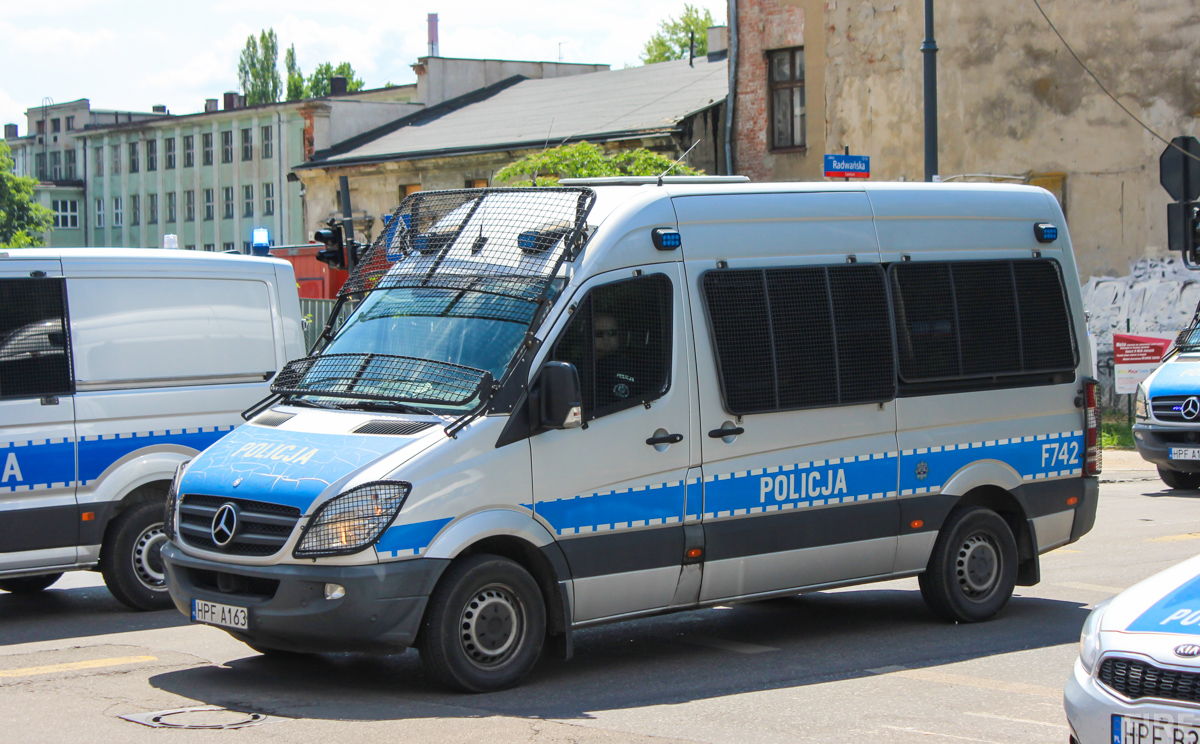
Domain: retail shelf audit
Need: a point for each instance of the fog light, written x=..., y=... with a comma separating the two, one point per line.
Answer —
x=334, y=591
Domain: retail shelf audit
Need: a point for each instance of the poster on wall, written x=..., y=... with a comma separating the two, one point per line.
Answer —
x=1135, y=357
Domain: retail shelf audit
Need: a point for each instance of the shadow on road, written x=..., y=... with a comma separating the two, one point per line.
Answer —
x=78, y=612
x=783, y=643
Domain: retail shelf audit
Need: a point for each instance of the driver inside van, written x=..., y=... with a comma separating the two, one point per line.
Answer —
x=615, y=379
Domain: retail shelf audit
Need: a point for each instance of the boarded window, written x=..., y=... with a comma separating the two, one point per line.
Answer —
x=35, y=354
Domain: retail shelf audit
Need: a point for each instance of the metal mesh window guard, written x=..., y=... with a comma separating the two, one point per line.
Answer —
x=352, y=521
x=35, y=349
x=981, y=319
x=619, y=340
x=381, y=377
x=801, y=337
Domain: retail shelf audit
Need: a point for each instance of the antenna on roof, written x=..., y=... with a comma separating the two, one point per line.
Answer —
x=681, y=157
x=545, y=145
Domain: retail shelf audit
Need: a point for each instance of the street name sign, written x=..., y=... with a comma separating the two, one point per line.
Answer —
x=847, y=166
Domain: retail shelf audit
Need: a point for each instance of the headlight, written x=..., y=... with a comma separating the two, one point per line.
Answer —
x=172, y=499
x=1089, y=638
x=1139, y=404
x=350, y=522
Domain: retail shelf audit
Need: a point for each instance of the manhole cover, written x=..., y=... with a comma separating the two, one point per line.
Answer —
x=204, y=717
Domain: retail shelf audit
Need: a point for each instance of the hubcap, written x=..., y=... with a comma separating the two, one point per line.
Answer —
x=492, y=626
x=147, y=558
x=977, y=566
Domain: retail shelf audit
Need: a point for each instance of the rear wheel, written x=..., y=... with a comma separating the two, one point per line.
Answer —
x=131, y=559
x=973, y=567
x=29, y=584
x=1182, y=481
x=485, y=625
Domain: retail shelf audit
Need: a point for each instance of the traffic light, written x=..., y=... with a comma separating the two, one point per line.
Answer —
x=334, y=252
x=1183, y=229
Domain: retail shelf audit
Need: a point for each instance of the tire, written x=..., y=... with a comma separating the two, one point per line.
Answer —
x=973, y=567
x=458, y=650
x=1181, y=481
x=130, y=560
x=29, y=584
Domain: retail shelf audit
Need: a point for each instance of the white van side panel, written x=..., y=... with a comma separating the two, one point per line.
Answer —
x=289, y=335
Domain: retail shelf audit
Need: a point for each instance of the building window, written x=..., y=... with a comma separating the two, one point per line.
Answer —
x=210, y=247
x=171, y=195
x=227, y=146
x=70, y=123
x=248, y=200
x=405, y=190
x=100, y=213
x=227, y=208
x=189, y=246
x=476, y=183
x=227, y=246
x=133, y=157
x=787, y=98
x=152, y=209
x=189, y=206
x=247, y=144
x=268, y=192
x=267, y=150
x=40, y=165
x=135, y=209
x=169, y=152
x=189, y=152
x=116, y=160
x=66, y=212
x=41, y=127
x=55, y=126
x=151, y=155
x=246, y=246
x=99, y=160
x=208, y=204
x=117, y=215
x=69, y=156
x=206, y=141
x=56, y=166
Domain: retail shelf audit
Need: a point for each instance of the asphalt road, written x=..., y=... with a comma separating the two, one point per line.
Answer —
x=866, y=664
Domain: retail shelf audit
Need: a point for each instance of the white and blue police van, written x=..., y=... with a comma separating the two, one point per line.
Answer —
x=553, y=408
x=116, y=365
x=1166, y=428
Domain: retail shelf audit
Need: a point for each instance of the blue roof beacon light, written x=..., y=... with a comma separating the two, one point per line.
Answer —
x=260, y=243
x=666, y=238
x=1045, y=232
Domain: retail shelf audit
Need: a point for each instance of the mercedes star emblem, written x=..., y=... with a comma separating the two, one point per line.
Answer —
x=224, y=524
x=1191, y=408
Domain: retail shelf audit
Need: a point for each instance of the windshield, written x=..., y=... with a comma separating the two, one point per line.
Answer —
x=462, y=327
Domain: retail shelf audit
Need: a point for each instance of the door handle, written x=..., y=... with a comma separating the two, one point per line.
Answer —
x=733, y=432
x=666, y=439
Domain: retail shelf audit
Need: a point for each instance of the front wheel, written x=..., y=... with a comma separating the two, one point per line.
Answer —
x=131, y=559
x=485, y=625
x=973, y=567
x=29, y=584
x=1178, y=480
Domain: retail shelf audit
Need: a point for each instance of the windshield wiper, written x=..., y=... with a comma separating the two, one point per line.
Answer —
x=376, y=405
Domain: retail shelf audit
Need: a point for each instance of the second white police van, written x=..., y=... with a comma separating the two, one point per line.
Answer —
x=554, y=408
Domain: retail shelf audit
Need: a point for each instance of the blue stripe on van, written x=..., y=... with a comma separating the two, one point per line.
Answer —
x=97, y=453
x=39, y=465
x=1034, y=458
x=640, y=506
x=409, y=539
x=794, y=485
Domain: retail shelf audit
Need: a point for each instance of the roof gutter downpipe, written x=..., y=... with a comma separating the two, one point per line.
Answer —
x=731, y=96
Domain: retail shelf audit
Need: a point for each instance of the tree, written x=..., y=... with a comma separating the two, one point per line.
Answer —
x=258, y=70
x=318, y=82
x=674, y=36
x=585, y=160
x=296, y=88
x=22, y=220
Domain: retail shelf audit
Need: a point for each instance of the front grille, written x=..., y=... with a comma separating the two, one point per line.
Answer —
x=1137, y=679
x=1170, y=408
x=262, y=528
x=394, y=428
x=229, y=583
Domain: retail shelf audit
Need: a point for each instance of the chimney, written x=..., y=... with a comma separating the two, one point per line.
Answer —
x=433, y=39
x=230, y=101
x=159, y=109
x=718, y=43
x=10, y=131
x=210, y=105
x=337, y=85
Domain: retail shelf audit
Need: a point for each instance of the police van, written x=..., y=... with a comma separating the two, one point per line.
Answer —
x=115, y=366
x=1167, y=410
x=553, y=408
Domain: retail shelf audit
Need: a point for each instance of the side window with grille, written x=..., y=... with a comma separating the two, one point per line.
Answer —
x=619, y=339
x=801, y=337
x=35, y=352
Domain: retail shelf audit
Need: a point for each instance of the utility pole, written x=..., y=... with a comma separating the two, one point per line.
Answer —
x=929, y=50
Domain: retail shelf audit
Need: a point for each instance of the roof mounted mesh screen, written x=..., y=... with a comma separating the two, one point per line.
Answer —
x=382, y=377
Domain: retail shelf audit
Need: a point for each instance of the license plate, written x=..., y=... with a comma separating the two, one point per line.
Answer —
x=226, y=616
x=1126, y=730
x=1185, y=453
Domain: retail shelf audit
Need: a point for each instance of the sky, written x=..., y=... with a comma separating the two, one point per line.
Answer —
x=133, y=55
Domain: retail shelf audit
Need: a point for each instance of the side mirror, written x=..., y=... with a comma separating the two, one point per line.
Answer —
x=559, y=397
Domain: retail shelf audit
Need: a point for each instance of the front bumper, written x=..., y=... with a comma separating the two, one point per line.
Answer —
x=380, y=613
x=1090, y=708
x=1154, y=444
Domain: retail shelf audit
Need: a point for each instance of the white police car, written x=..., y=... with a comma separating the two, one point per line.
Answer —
x=1137, y=679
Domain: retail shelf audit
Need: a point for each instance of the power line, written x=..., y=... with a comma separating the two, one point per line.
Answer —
x=1110, y=95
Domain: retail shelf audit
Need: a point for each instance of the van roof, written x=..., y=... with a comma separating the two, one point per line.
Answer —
x=153, y=255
